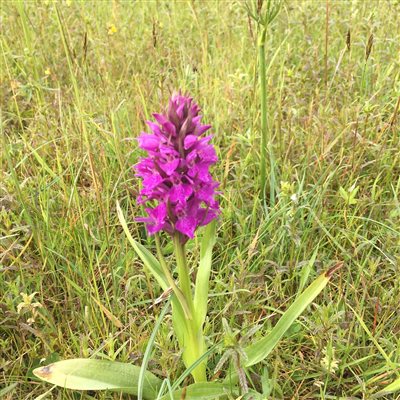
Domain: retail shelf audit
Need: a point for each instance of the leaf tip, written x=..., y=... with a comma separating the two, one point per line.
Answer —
x=44, y=372
x=332, y=270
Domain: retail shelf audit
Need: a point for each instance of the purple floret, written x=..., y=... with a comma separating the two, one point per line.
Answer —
x=178, y=189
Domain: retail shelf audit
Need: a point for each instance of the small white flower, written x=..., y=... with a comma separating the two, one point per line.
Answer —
x=329, y=362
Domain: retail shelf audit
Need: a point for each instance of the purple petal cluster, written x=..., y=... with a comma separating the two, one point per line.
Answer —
x=178, y=189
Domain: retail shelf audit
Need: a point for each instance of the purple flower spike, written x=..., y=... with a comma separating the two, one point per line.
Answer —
x=177, y=185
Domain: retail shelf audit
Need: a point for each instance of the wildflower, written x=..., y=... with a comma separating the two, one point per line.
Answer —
x=27, y=304
x=287, y=189
x=329, y=361
x=177, y=185
x=47, y=71
x=112, y=29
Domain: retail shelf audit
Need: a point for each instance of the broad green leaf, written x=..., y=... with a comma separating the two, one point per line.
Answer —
x=88, y=374
x=148, y=259
x=203, y=274
x=258, y=351
x=393, y=387
x=179, y=323
x=201, y=391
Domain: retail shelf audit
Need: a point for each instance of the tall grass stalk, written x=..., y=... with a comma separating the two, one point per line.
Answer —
x=263, y=104
x=266, y=145
x=264, y=18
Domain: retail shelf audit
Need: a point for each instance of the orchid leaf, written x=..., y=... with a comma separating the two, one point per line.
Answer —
x=148, y=259
x=201, y=391
x=88, y=374
x=259, y=350
x=393, y=387
x=203, y=274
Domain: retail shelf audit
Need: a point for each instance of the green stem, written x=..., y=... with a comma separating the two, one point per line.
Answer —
x=171, y=282
x=263, y=95
x=183, y=270
x=194, y=346
x=265, y=140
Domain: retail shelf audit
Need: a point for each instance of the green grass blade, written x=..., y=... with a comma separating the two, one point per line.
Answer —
x=189, y=370
x=260, y=350
x=146, y=357
x=393, y=387
x=305, y=272
x=203, y=274
x=148, y=259
x=372, y=338
x=46, y=394
x=201, y=391
x=87, y=374
x=272, y=176
x=166, y=384
x=8, y=389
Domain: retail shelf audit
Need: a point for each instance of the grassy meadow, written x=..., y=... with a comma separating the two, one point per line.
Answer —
x=79, y=80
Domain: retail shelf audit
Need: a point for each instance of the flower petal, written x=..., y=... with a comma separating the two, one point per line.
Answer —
x=179, y=193
x=169, y=166
x=148, y=141
x=186, y=225
x=189, y=141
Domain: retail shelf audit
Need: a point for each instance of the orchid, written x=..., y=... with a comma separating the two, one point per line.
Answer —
x=179, y=195
x=175, y=172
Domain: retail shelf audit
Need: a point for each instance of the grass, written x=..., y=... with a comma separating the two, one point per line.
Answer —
x=78, y=82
